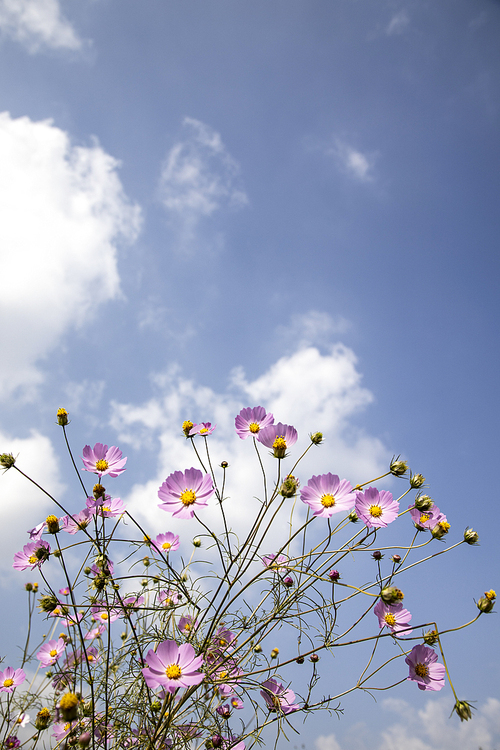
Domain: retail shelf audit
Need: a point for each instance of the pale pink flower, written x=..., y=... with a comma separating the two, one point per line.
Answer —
x=183, y=492
x=10, y=679
x=250, y=421
x=102, y=460
x=393, y=616
x=173, y=666
x=326, y=494
x=278, y=698
x=376, y=509
x=51, y=651
x=279, y=437
x=423, y=668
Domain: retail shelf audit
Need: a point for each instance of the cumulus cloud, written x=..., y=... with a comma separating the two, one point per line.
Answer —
x=352, y=162
x=64, y=210
x=37, y=24
x=398, y=23
x=22, y=502
x=199, y=177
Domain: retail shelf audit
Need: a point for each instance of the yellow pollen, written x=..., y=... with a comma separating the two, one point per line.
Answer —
x=8, y=682
x=223, y=675
x=105, y=508
x=67, y=726
x=234, y=702
x=424, y=518
x=187, y=424
x=103, y=615
x=166, y=545
x=328, y=501
x=33, y=559
x=421, y=670
x=187, y=626
x=491, y=595
x=445, y=526
x=188, y=497
x=254, y=427
x=173, y=672
x=203, y=430
x=90, y=657
x=102, y=465
x=389, y=618
x=53, y=652
x=375, y=511
x=280, y=442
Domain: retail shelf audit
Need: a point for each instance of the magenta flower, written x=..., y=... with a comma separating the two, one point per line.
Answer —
x=204, y=429
x=74, y=524
x=183, y=492
x=236, y=703
x=102, y=460
x=252, y=421
x=326, y=494
x=132, y=604
x=187, y=624
x=37, y=531
x=78, y=657
x=10, y=679
x=106, y=507
x=50, y=652
x=95, y=632
x=423, y=668
x=32, y=556
x=279, y=437
x=376, y=509
x=64, y=591
x=168, y=542
x=173, y=666
x=278, y=698
x=61, y=731
x=425, y=519
x=104, y=614
x=168, y=598
x=393, y=616
x=11, y=742
x=275, y=562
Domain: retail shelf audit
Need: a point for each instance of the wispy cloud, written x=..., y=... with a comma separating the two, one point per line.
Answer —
x=311, y=328
x=64, y=210
x=38, y=24
x=352, y=162
x=398, y=23
x=199, y=177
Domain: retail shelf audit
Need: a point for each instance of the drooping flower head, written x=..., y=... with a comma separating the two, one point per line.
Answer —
x=393, y=616
x=10, y=679
x=279, y=437
x=423, y=668
x=102, y=460
x=173, y=666
x=278, y=698
x=32, y=555
x=326, y=494
x=51, y=651
x=183, y=492
x=204, y=429
x=250, y=422
x=168, y=542
x=376, y=509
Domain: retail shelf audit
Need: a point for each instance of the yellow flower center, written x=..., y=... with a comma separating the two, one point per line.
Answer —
x=424, y=517
x=328, y=501
x=375, y=511
x=187, y=626
x=421, y=670
x=101, y=465
x=173, y=671
x=105, y=508
x=203, y=430
x=222, y=642
x=279, y=443
x=445, y=526
x=90, y=657
x=33, y=559
x=53, y=652
x=254, y=427
x=8, y=682
x=103, y=615
x=389, y=618
x=223, y=675
x=186, y=425
x=491, y=595
x=188, y=497
x=166, y=545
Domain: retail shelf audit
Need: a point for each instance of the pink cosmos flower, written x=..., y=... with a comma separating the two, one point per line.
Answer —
x=279, y=437
x=104, y=614
x=74, y=524
x=326, y=494
x=376, y=509
x=278, y=698
x=32, y=556
x=10, y=679
x=250, y=422
x=423, y=668
x=393, y=616
x=183, y=492
x=227, y=674
x=173, y=666
x=187, y=624
x=424, y=519
x=71, y=620
x=102, y=460
x=275, y=562
x=106, y=507
x=64, y=591
x=61, y=731
x=168, y=598
x=95, y=632
x=50, y=652
x=224, y=639
x=11, y=742
x=168, y=542
x=204, y=429
x=37, y=531
x=78, y=657
x=236, y=703
x=132, y=604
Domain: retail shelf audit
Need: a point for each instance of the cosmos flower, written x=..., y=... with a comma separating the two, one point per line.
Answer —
x=279, y=437
x=173, y=666
x=168, y=542
x=393, y=616
x=102, y=460
x=425, y=519
x=187, y=624
x=10, y=679
x=32, y=556
x=106, y=507
x=204, y=429
x=376, y=509
x=278, y=698
x=104, y=614
x=168, y=598
x=11, y=742
x=236, y=703
x=95, y=632
x=22, y=719
x=50, y=652
x=275, y=562
x=423, y=668
x=74, y=524
x=326, y=494
x=183, y=492
x=131, y=604
x=250, y=421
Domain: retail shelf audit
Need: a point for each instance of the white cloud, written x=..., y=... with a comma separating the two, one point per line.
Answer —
x=352, y=162
x=310, y=328
x=37, y=23
x=199, y=177
x=63, y=209
x=327, y=742
x=22, y=505
x=398, y=23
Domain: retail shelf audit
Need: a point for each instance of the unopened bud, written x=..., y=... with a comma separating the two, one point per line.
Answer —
x=48, y=603
x=316, y=438
x=398, y=468
x=197, y=542
x=257, y=648
x=84, y=739
x=62, y=417
x=216, y=740
x=28, y=586
x=391, y=594
x=486, y=602
x=288, y=582
x=224, y=465
x=314, y=658
x=396, y=559
x=377, y=555
x=423, y=502
x=156, y=706
x=87, y=570
x=68, y=706
x=146, y=561
x=7, y=460
x=353, y=517
x=299, y=659
x=416, y=480
x=463, y=710
x=144, y=582
x=274, y=653
x=431, y=637
x=471, y=536
x=43, y=718
x=99, y=491
x=334, y=575
x=290, y=486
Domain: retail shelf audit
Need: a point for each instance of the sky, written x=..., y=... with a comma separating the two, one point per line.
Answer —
x=293, y=203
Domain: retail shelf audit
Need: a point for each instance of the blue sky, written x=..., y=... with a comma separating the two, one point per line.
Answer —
x=207, y=205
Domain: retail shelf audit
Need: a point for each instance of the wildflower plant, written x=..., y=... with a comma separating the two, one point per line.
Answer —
x=145, y=650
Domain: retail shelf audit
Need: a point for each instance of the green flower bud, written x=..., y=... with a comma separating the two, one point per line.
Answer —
x=486, y=602
x=353, y=518
x=440, y=529
x=43, y=718
x=423, y=502
x=290, y=486
x=197, y=542
x=431, y=637
x=391, y=595
x=28, y=587
x=257, y=648
x=48, y=603
x=62, y=417
x=398, y=468
x=274, y=653
x=7, y=460
x=316, y=438
x=463, y=710
x=471, y=536
x=416, y=480
x=156, y=706
x=224, y=465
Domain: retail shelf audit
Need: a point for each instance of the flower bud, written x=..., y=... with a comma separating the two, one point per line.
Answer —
x=197, y=542
x=391, y=594
x=156, y=706
x=423, y=502
x=123, y=636
x=56, y=553
x=416, y=480
x=87, y=570
x=35, y=586
x=353, y=518
x=187, y=426
x=486, y=602
x=314, y=658
x=257, y=648
x=146, y=562
x=440, y=529
x=334, y=575
x=68, y=706
x=99, y=491
x=62, y=417
x=431, y=637
x=463, y=710
x=274, y=653
x=43, y=718
x=84, y=739
x=28, y=587
x=48, y=603
x=299, y=659
x=316, y=438
x=377, y=555
x=216, y=740
x=52, y=524
x=144, y=582
x=398, y=468
x=471, y=536
x=290, y=486
x=224, y=465
x=7, y=460
x=288, y=582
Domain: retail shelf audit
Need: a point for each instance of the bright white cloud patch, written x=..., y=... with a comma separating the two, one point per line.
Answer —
x=37, y=23
x=313, y=327
x=352, y=162
x=199, y=177
x=310, y=390
x=398, y=23
x=63, y=209
x=22, y=505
